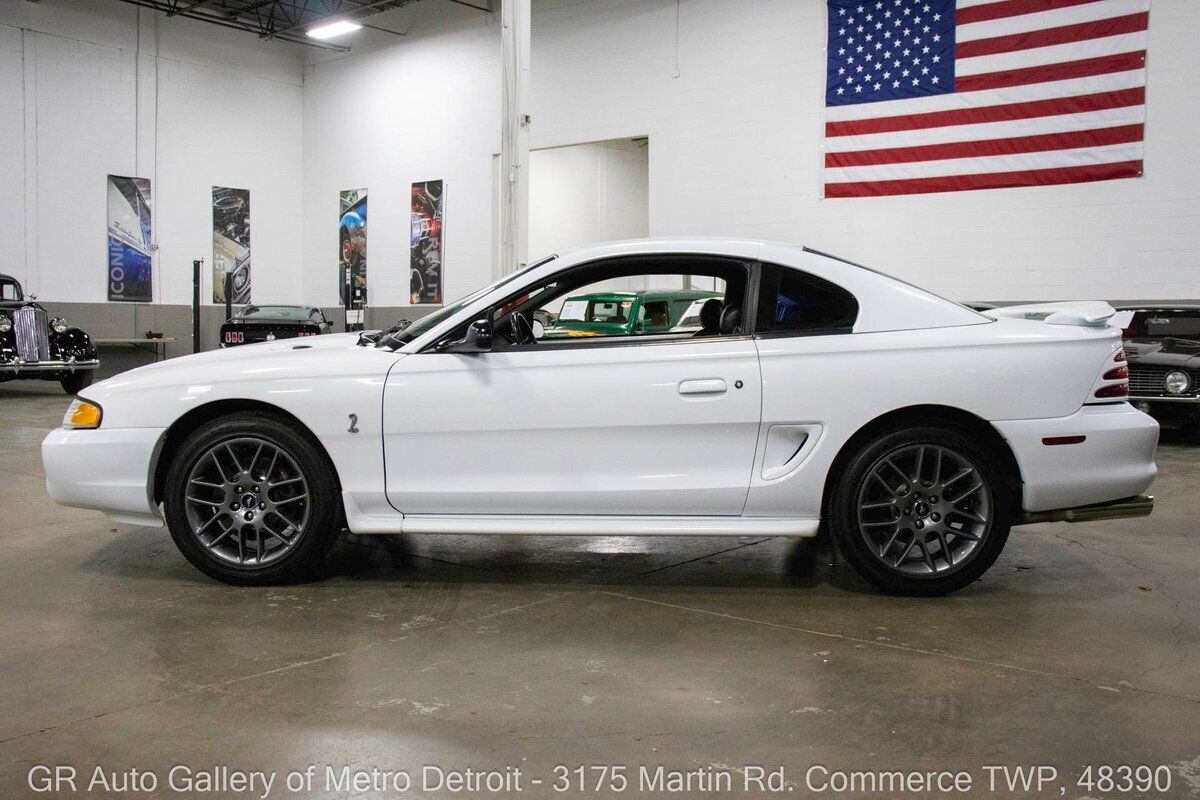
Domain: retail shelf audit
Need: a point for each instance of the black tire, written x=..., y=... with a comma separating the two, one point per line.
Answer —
x=851, y=538
x=322, y=504
x=77, y=381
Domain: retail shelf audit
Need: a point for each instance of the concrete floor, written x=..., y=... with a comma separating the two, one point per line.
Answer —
x=1079, y=647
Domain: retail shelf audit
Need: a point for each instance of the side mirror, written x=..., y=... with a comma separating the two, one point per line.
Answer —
x=477, y=339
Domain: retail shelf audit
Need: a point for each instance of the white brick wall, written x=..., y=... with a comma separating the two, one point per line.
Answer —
x=228, y=113
x=734, y=149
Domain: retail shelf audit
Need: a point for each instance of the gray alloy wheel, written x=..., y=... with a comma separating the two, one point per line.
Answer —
x=247, y=501
x=924, y=510
x=251, y=498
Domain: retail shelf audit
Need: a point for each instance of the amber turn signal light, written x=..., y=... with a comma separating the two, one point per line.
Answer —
x=82, y=414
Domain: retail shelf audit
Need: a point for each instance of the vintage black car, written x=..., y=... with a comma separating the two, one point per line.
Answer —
x=268, y=323
x=35, y=346
x=1162, y=345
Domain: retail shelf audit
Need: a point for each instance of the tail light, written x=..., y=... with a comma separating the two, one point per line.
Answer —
x=1114, y=390
x=1119, y=377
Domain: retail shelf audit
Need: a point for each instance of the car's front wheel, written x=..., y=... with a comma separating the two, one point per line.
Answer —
x=251, y=500
x=921, y=511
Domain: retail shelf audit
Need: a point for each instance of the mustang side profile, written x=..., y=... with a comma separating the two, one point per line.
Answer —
x=818, y=393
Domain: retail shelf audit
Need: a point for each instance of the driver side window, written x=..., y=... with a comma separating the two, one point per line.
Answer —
x=626, y=301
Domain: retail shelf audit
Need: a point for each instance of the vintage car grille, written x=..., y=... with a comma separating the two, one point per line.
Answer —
x=33, y=341
x=1147, y=381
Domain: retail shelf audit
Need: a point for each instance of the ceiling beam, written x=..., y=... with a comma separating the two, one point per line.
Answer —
x=350, y=13
x=189, y=7
x=235, y=24
x=487, y=8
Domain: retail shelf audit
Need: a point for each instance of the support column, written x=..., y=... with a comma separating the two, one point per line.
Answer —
x=514, y=135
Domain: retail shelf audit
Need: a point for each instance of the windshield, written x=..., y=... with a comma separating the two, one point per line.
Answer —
x=273, y=312
x=395, y=337
x=1175, y=323
x=9, y=291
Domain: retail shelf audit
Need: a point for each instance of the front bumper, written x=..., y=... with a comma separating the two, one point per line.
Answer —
x=1114, y=460
x=104, y=469
x=17, y=367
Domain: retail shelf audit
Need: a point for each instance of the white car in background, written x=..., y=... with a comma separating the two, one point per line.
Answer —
x=915, y=430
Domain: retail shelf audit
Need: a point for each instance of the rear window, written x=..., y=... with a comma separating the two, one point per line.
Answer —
x=271, y=312
x=1178, y=323
x=794, y=301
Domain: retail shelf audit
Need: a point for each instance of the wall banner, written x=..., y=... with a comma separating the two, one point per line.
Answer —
x=130, y=239
x=231, y=243
x=352, y=241
x=427, y=243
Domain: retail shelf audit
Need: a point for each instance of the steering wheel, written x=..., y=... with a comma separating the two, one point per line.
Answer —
x=521, y=329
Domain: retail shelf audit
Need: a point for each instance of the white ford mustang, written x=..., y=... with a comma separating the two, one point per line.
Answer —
x=814, y=391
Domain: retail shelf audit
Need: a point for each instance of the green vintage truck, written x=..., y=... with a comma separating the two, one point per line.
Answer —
x=624, y=313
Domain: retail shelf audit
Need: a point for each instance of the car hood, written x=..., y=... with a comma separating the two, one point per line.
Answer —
x=245, y=360
x=1165, y=351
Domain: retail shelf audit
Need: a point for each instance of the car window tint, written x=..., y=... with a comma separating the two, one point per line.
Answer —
x=791, y=300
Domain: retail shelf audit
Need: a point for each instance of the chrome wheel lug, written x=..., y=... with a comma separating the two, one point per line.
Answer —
x=249, y=516
x=908, y=510
x=919, y=524
x=256, y=489
x=262, y=506
x=235, y=507
x=933, y=498
x=936, y=517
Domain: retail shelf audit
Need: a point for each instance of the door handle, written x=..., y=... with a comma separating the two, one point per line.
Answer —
x=707, y=386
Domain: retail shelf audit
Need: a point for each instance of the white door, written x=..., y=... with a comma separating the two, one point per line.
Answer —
x=666, y=428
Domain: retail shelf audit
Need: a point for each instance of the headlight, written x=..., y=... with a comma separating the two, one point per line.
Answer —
x=5, y=323
x=59, y=325
x=1177, y=382
x=82, y=414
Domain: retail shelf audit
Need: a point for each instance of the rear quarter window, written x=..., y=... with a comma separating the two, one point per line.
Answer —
x=791, y=301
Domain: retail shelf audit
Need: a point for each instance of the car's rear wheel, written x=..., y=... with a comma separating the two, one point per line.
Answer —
x=251, y=500
x=77, y=381
x=921, y=511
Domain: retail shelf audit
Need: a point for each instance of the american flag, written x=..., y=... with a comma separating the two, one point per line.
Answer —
x=942, y=96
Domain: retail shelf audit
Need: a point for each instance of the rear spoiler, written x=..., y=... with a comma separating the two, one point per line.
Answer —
x=1088, y=313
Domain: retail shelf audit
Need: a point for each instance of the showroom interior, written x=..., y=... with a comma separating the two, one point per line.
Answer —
x=148, y=148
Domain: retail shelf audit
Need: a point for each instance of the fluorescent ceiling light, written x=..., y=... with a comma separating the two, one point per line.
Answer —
x=331, y=29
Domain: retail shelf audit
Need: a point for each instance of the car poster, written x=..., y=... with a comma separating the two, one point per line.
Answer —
x=427, y=243
x=352, y=242
x=231, y=243
x=130, y=239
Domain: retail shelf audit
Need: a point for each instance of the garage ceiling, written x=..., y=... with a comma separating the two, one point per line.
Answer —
x=282, y=19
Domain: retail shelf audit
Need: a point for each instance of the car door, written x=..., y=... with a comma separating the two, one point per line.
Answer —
x=614, y=428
